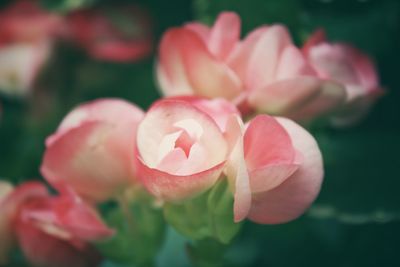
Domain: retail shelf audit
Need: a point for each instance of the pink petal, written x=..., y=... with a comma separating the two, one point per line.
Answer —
x=224, y=35
x=21, y=194
x=330, y=98
x=300, y=98
x=191, y=68
x=266, y=55
x=289, y=200
x=266, y=143
x=204, y=164
x=200, y=29
x=219, y=109
x=171, y=187
x=293, y=64
x=332, y=62
x=236, y=169
x=316, y=38
x=171, y=71
x=43, y=250
x=95, y=159
x=10, y=202
x=107, y=110
x=234, y=131
x=363, y=66
x=271, y=176
x=239, y=58
x=78, y=218
x=173, y=161
x=164, y=118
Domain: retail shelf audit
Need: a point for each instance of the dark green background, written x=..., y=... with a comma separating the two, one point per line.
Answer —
x=356, y=219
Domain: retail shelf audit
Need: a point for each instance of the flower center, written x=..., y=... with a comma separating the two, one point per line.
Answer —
x=185, y=142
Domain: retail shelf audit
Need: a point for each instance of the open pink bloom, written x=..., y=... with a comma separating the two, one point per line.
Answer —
x=275, y=170
x=265, y=72
x=114, y=33
x=93, y=150
x=182, y=146
x=60, y=224
x=347, y=65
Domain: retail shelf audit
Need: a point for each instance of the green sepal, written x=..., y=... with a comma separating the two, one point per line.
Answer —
x=209, y=215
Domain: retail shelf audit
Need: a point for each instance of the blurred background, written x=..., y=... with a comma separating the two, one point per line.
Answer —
x=356, y=219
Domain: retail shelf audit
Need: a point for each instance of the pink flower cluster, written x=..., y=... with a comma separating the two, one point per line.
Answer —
x=180, y=148
x=28, y=33
x=200, y=134
x=266, y=72
x=176, y=150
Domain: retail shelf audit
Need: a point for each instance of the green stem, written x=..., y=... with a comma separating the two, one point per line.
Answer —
x=130, y=222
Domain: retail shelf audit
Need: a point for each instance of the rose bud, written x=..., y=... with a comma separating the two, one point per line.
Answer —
x=347, y=65
x=93, y=150
x=181, y=148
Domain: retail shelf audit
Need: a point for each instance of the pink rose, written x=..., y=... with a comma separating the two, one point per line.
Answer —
x=265, y=72
x=275, y=171
x=114, y=33
x=182, y=150
x=347, y=65
x=93, y=150
x=62, y=225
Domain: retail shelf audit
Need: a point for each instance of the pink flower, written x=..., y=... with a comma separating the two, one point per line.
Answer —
x=62, y=225
x=182, y=150
x=114, y=33
x=93, y=150
x=349, y=66
x=275, y=171
x=265, y=72
x=25, y=21
x=26, y=34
